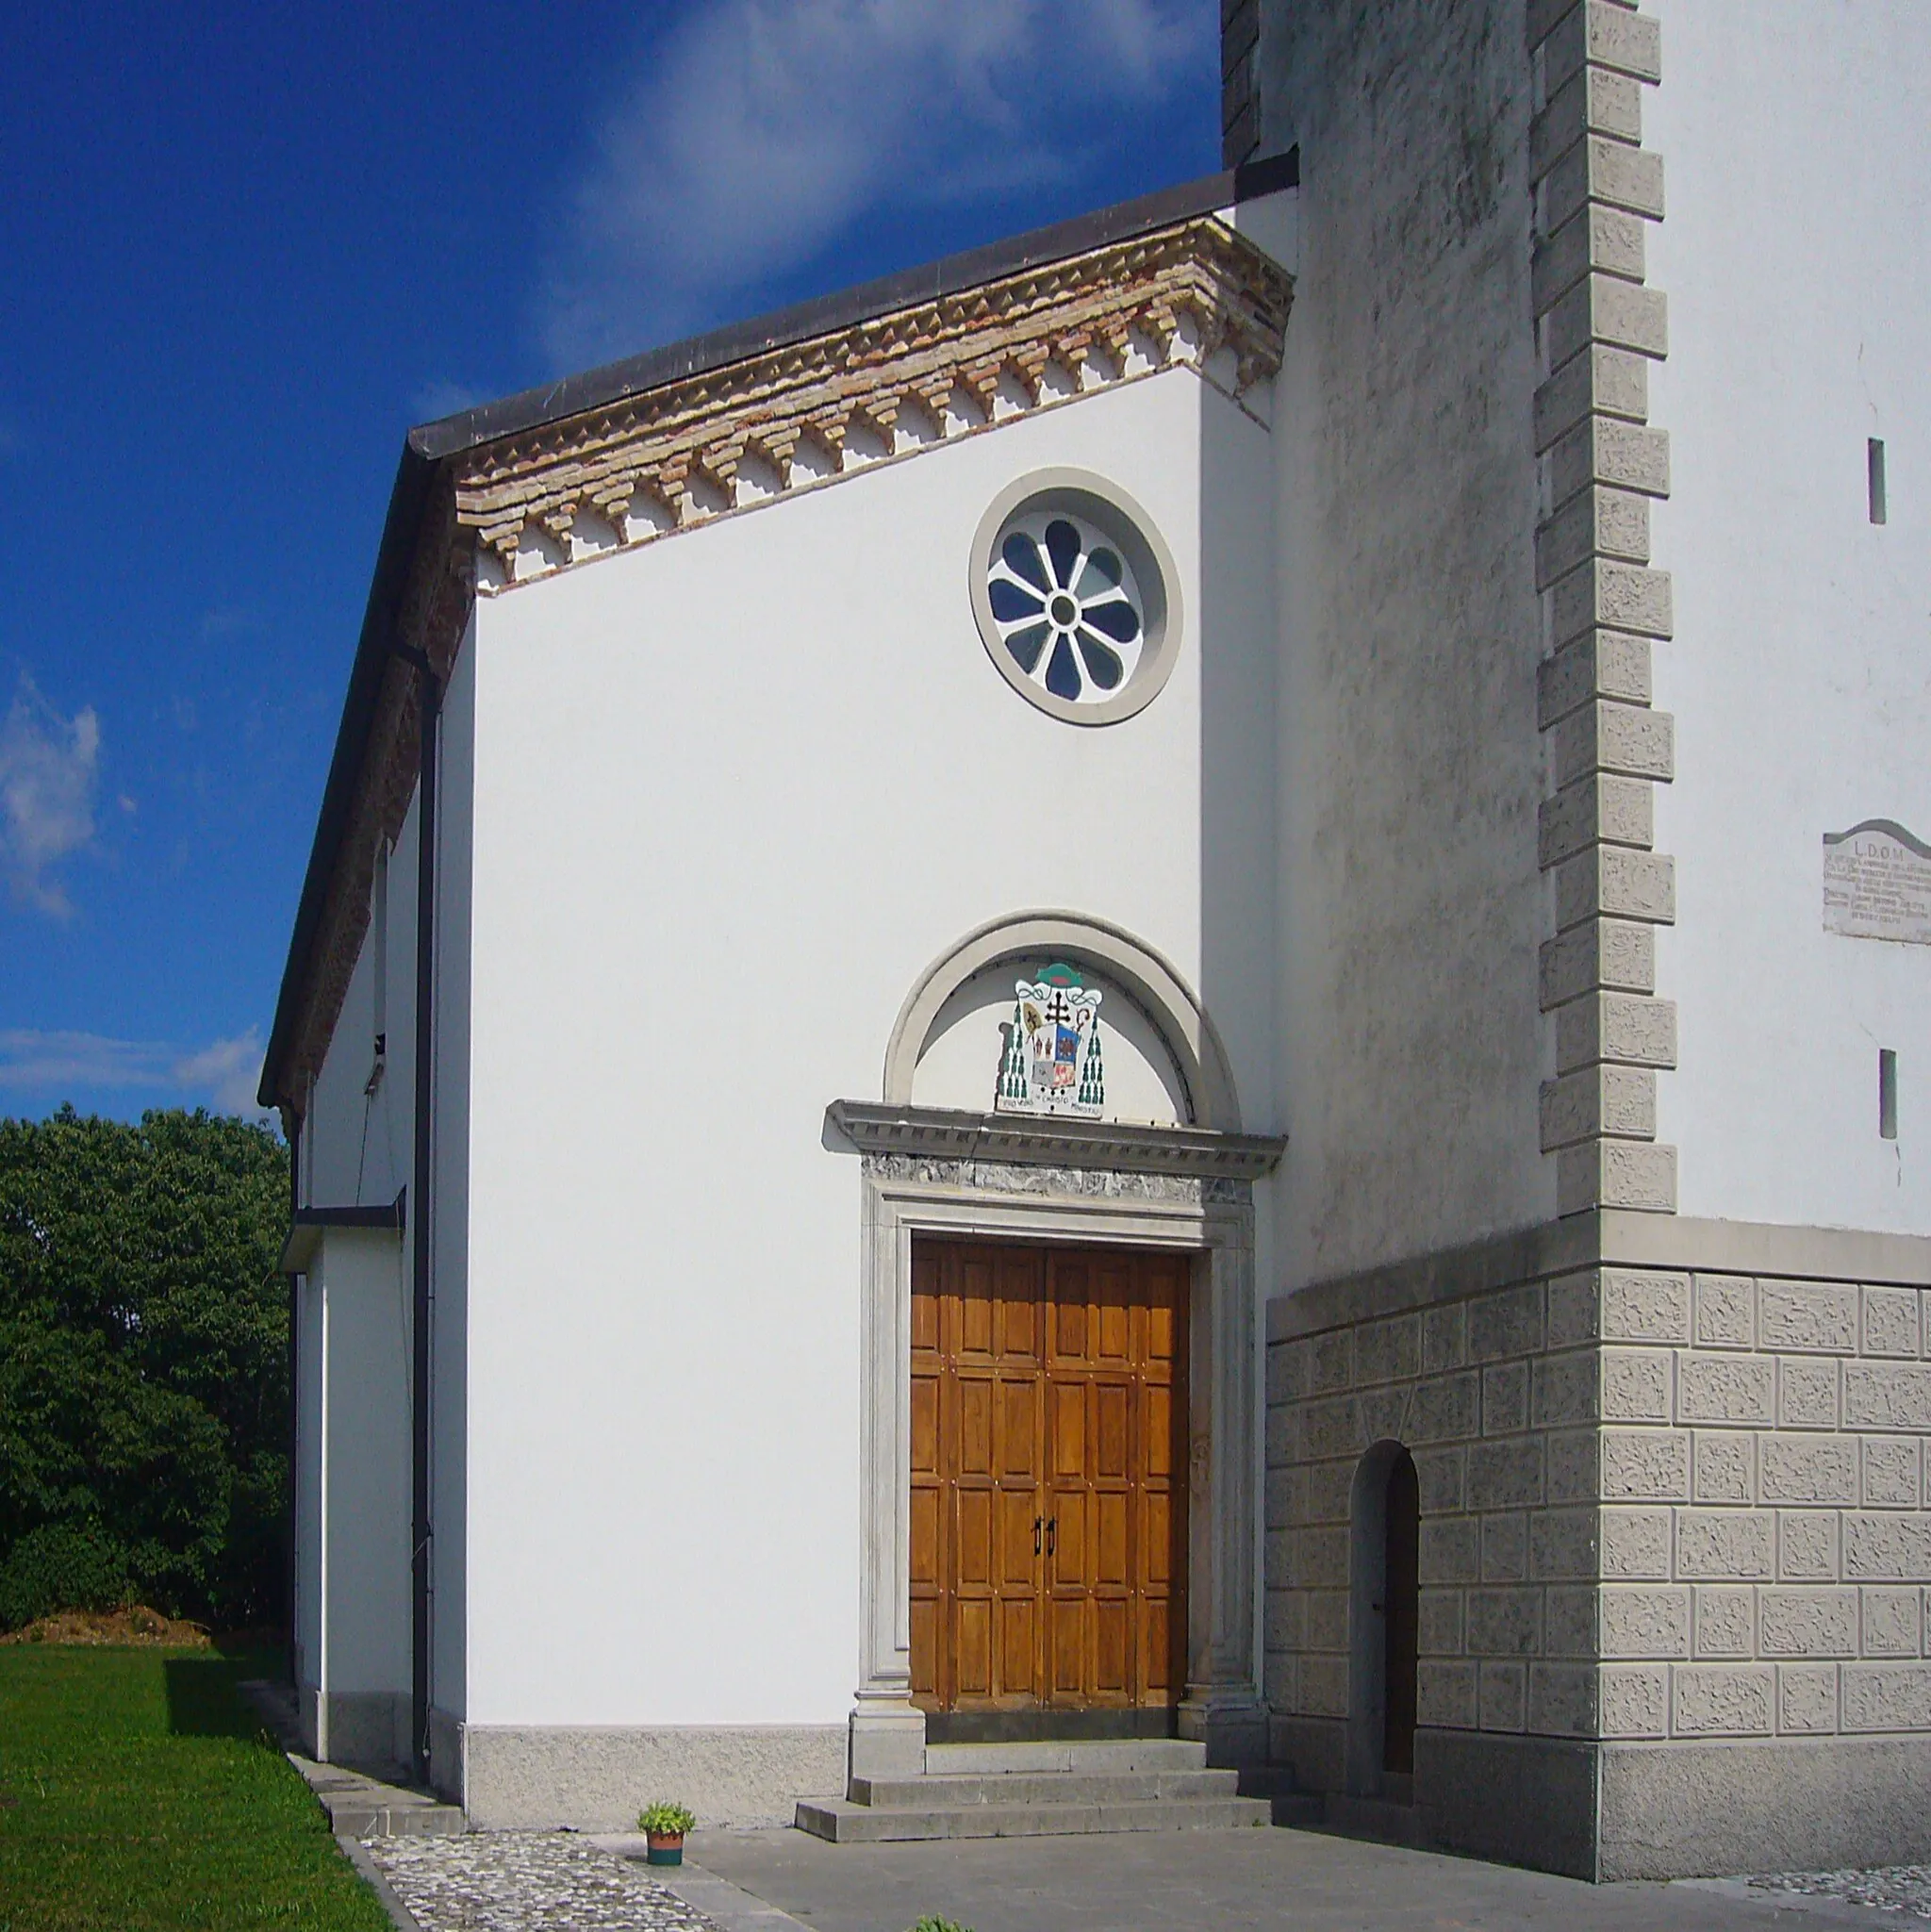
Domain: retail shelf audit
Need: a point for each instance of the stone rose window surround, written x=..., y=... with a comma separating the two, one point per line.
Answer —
x=1075, y=597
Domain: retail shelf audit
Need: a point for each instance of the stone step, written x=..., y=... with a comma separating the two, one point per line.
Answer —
x=1090, y=1755
x=371, y=1801
x=844, y=1823
x=1041, y=1788
x=1276, y=1783
x=356, y=1818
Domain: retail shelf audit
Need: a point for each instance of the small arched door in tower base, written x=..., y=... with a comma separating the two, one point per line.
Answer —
x=1384, y=1618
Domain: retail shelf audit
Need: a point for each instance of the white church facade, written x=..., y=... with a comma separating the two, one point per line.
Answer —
x=1169, y=984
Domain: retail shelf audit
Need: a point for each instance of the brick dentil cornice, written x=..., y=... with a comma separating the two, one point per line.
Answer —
x=1194, y=295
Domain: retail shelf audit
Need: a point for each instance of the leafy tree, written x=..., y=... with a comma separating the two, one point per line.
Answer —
x=143, y=1369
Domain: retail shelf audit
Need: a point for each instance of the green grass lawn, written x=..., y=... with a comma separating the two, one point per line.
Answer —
x=136, y=1791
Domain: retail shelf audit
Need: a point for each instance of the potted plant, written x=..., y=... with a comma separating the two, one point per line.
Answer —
x=665, y=1825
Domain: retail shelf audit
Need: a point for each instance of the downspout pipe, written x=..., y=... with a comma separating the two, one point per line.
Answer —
x=430, y=705
x=294, y=1121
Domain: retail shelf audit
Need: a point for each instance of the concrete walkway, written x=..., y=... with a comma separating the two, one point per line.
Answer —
x=1227, y=1880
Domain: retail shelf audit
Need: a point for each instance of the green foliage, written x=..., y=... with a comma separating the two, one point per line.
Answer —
x=140, y=1793
x=930, y=1921
x=672, y=1820
x=62, y=1566
x=143, y=1369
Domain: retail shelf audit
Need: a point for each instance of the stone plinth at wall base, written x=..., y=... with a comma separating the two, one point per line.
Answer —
x=446, y=1755
x=1524, y=1800
x=1316, y=1747
x=598, y=1779
x=887, y=1740
x=1682, y=1811
x=1235, y=1732
x=354, y=1726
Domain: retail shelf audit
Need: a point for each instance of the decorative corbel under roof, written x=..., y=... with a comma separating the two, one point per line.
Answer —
x=1194, y=295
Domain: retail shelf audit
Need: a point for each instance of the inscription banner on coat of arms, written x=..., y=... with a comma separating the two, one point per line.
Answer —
x=1052, y=1061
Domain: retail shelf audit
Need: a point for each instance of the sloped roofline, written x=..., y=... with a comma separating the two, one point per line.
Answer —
x=429, y=447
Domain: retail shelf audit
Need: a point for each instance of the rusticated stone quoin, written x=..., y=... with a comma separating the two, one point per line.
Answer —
x=1602, y=466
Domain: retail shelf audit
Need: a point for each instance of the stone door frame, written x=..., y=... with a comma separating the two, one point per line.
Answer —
x=1020, y=1199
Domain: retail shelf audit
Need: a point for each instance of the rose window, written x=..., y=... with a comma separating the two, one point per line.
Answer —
x=1066, y=607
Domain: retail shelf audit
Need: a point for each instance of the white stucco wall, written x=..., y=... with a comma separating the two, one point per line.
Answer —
x=450, y=1202
x=311, y=1500
x=733, y=794
x=353, y=1465
x=1798, y=154
x=1411, y=764
x=359, y=1146
x=365, y=1286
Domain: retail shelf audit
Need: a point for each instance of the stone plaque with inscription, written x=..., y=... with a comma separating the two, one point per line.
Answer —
x=1877, y=883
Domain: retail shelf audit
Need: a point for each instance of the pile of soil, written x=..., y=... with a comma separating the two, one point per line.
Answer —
x=136, y=1624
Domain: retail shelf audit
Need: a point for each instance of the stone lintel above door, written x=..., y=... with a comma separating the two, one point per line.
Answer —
x=939, y=1133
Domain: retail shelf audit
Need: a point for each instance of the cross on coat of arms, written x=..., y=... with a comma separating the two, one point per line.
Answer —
x=1052, y=1062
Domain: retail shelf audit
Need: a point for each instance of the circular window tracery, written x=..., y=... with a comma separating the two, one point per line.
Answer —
x=1068, y=606
x=1075, y=597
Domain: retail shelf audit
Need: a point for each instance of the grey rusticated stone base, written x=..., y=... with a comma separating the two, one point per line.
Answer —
x=1813, y=1804
x=597, y=1778
x=1670, y=1810
x=1527, y=1801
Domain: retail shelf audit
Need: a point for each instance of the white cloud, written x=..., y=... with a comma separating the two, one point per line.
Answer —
x=223, y=1074
x=229, y=1071
x=33, y=1059
x=49, y=767
x=764, y=128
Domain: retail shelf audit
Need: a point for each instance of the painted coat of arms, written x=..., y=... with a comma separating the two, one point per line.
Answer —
x=1053, y=1059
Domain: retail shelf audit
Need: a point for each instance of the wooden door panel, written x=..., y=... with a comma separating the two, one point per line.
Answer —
x=925, y=1649
x=1157, y=1567
x=973, y=1637
x=1049, y=1477
x=1018, y=1536
x=972, y=1547
x=1019, y=1650
x=1156, y=1673
x=1069, y=1459
x=1112, y=1680
x=972, y=1451
x=1018, y=1440
x=1158, y=1459
x=1113, y=1405
x=1112, y=1559
x=1068, y=1639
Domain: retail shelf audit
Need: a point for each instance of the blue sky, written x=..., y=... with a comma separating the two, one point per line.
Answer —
x=244, y=249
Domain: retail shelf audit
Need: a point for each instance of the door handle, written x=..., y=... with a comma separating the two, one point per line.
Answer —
x=1036, y=1521
x=1052, y=1534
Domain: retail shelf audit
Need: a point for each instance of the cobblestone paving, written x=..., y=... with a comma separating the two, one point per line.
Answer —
x=526, y=1881
x=1905, y=1888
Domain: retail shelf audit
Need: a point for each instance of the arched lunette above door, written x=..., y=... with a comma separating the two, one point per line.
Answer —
x=1151, y=981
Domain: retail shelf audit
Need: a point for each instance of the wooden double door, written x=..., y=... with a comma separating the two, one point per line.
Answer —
x=1049, y=1484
